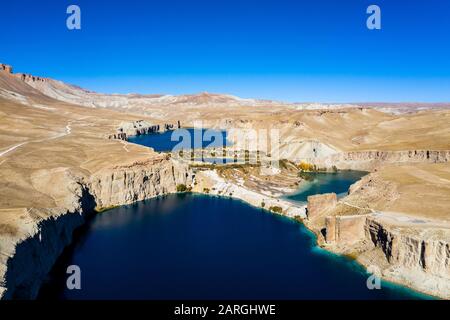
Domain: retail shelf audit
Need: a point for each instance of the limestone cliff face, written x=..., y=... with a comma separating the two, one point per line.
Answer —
x=367, y=160
x=345, y=229
x=22, y=76
x=125, y=185
x=30, y=78
x=140, y=127
x=421, y=251
x=319, y=203
x=28, y=254
x=305, y=150
x=418, y=258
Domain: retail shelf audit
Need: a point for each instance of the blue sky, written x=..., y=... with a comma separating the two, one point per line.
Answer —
x=291, y=50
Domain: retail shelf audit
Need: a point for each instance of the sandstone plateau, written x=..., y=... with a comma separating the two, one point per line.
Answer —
x=64, y=155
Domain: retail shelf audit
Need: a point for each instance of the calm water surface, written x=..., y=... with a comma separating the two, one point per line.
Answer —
x=168, y=141
x=189, y=246
x=201, y=247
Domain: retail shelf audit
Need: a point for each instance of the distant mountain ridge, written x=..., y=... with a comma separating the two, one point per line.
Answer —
x=73, y=94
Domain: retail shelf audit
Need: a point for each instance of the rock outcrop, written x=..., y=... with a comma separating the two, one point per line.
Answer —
x=422, y=251
x=368, y=160
x=29, y=78
x=418, y=258
x=345, y=229
x=6, y=68
x=320, y=203
x=29, y=254
x=125, y=185
x=140, y=127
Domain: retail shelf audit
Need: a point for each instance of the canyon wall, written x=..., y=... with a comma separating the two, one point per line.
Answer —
x=304, y=150
x=140, y=127
x=317, y=204
x=368, y=160
x=126, y=184
x=30, y=78
x=28, y=255
x=416, y=257
x=6, y=68
x=421, y=251
x=345, y=229
x=419, y=259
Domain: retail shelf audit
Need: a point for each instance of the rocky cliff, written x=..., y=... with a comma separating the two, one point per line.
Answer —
x=368, y=160
x=29, y=252
x=345, y=229
x=6, y=68
x=413, y=256
x=125, y=184
x=420, y=258
x=140, y=127
x=30, y=78
x=319, y=203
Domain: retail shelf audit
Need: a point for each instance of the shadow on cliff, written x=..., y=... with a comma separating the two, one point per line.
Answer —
x=34, y=260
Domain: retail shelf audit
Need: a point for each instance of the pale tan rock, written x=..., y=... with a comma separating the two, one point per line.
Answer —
x=345, y=229
x=368, y=160
x=317, y=204
x=6, y=68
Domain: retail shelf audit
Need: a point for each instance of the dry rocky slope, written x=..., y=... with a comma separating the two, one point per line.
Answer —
x=57, y=164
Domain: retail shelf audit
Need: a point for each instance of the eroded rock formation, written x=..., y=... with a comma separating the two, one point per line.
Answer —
x=30, y=78
x=140, y=127
x=368, y=160
x=345, y=229
x=29, y=253
x=320, y=203
x=417, y=251
x=6, y=68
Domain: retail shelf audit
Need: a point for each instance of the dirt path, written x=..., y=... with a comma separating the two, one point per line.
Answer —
x=68, y=130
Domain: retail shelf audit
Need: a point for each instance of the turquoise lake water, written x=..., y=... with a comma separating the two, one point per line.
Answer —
x=337, y=182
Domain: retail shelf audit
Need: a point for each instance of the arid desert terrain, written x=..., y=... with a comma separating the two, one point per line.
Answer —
x=64, y=155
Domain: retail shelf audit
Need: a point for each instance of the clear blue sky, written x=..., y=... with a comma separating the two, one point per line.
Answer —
x=292, y=50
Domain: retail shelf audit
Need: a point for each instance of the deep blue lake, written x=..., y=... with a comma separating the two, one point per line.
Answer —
x=193, y=138
x=188, y=246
